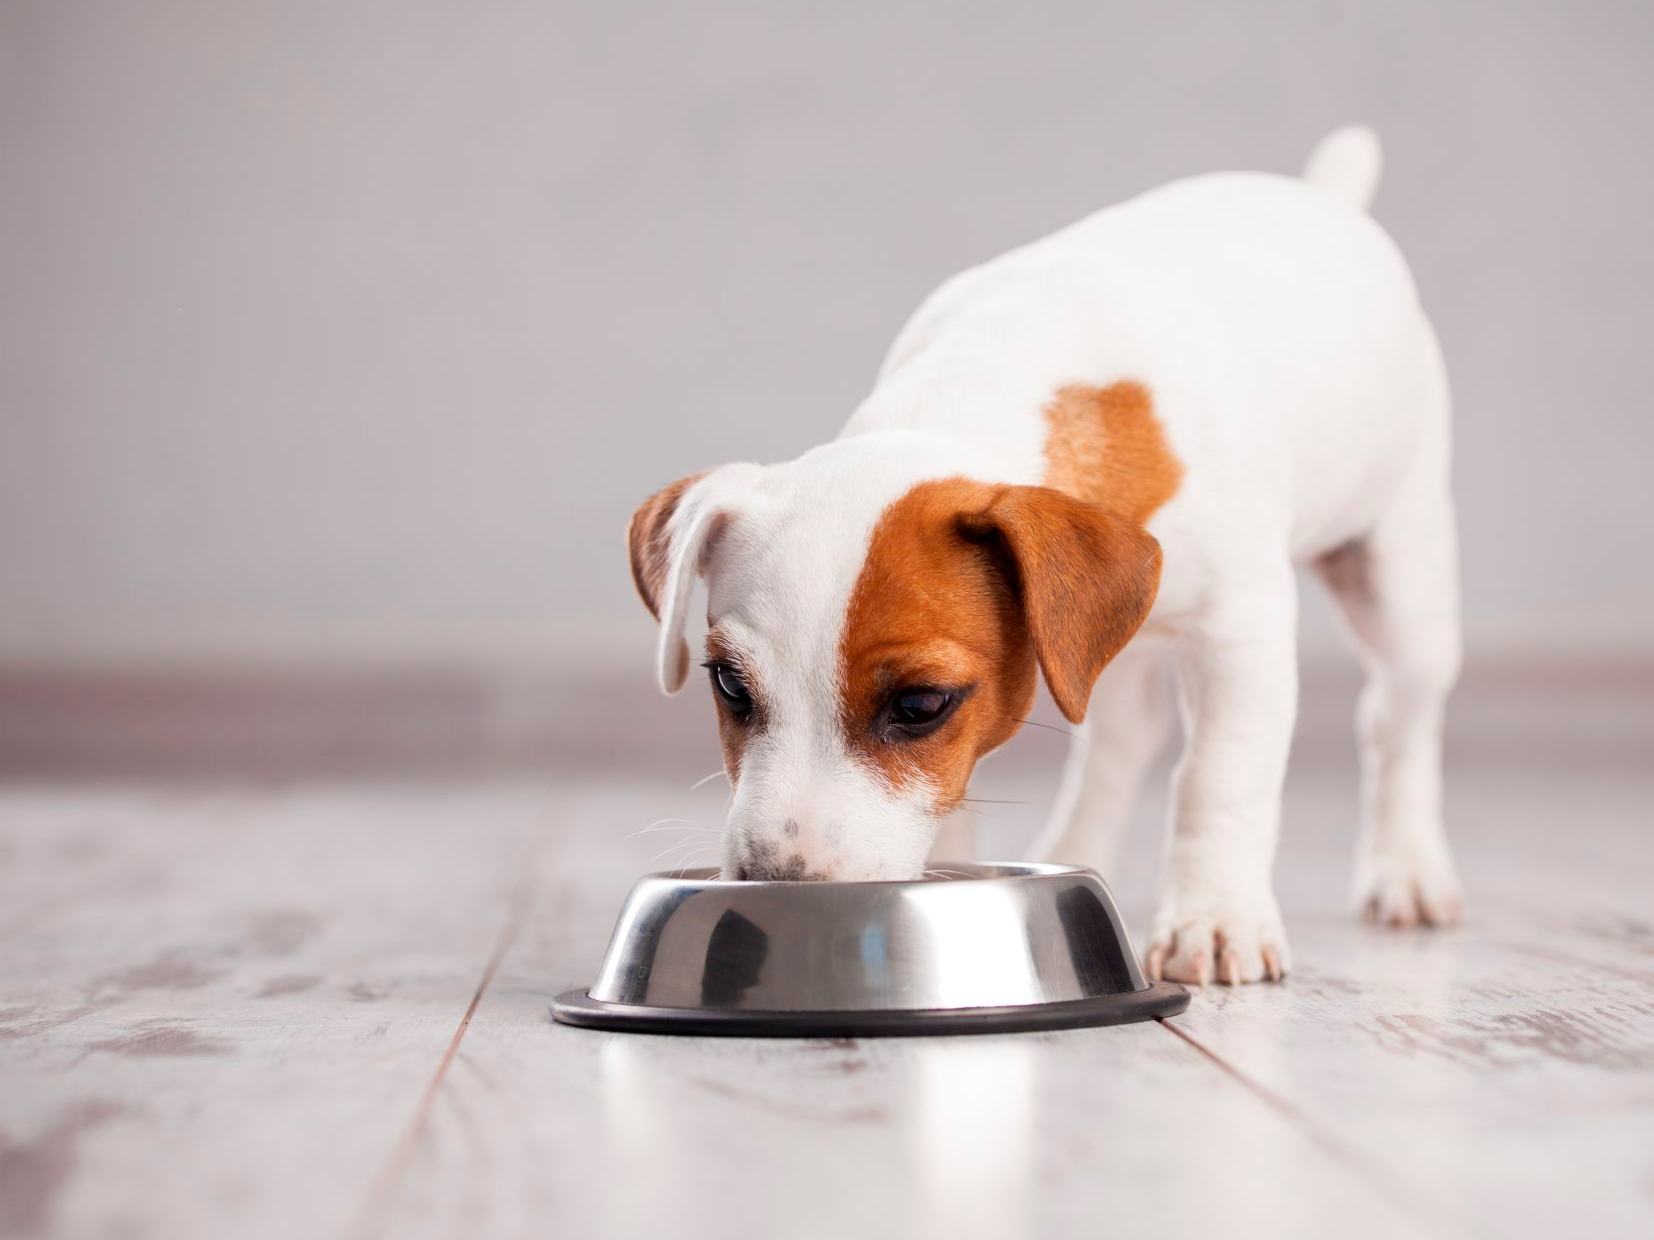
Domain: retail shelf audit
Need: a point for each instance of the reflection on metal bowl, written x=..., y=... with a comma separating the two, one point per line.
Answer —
x=995, y=948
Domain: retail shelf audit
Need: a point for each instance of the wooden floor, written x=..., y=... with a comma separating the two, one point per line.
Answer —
x=310, y=1001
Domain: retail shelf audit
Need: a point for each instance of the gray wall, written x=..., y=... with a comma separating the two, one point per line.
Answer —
x=354, y=332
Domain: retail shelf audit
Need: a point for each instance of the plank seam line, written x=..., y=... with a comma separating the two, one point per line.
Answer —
x=375, y=1212
x=1374, y=1175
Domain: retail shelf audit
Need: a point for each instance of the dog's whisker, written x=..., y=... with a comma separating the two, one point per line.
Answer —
x=677, y=844
x=671, y=848
x=989, y=801
x=667, y=825
x=658, y=830
x=693, y=861
x=1049, y=727
x=706, y=779
x=659, y=822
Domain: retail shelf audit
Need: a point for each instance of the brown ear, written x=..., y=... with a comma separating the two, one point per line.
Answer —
x=1087, y=580
x=648, y=539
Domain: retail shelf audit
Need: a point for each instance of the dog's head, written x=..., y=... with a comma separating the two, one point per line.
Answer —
x=875, y=619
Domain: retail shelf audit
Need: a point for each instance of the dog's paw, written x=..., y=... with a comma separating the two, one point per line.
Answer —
x=1406, y=885
x=1221, y=935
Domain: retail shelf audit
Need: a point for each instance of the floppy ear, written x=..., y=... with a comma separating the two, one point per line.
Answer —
x=648, y=538
x=663, y=538
x=669, y=539
x=1086, y=578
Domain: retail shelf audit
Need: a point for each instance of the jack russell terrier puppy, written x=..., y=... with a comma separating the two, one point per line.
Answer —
x=1105, y=448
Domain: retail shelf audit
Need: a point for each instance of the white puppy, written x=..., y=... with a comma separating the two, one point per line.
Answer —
x=1130, y=431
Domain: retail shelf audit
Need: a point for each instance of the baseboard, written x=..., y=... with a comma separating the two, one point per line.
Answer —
x=140, y=723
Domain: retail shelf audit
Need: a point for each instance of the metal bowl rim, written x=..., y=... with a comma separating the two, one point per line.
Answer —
x=1017, y=871
x=1155, y=1001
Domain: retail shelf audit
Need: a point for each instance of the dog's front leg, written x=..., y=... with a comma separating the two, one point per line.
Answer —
x=1237, y=679
x=1126, y=727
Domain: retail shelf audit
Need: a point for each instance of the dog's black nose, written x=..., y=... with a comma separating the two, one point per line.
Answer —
x=791, y=869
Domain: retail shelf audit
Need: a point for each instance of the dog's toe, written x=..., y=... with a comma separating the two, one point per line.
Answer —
x=1229, y=950
x=1406, y=889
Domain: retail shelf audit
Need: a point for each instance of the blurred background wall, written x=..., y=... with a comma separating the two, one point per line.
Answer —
x=352, y=333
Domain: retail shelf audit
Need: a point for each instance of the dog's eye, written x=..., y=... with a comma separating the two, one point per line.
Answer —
x=731, y=689
x=915, y=707
x=917, y=711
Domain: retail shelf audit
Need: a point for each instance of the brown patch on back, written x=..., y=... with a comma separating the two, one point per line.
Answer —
x=930, y=608
x=647, y=540
x=1107, y=447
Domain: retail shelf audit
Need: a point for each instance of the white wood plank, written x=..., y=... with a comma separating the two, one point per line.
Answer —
x=1500, y=1076
x=219, y=1014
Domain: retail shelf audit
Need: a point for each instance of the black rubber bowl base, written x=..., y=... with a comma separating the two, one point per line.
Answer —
x=576, y=1007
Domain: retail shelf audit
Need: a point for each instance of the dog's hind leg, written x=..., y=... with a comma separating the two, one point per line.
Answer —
x=1397, y=588
x=1125, y=727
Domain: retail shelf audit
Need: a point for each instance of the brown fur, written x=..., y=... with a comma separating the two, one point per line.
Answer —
x=1087, y=576
x=646, y=538
x=965, y=586
x=931, y=608
x=1106, y=447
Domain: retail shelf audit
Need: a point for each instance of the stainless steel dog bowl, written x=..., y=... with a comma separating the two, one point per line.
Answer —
x=996, y=949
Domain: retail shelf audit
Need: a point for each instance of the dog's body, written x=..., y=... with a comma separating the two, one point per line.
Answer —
x=1233, y=367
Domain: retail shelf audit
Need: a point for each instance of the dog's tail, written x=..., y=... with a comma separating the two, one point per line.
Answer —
x=1346, y=163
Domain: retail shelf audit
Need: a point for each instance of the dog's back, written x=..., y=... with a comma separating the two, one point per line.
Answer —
x=1275, y=322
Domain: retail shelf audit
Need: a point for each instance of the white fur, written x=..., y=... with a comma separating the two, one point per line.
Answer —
x=1347, y=164
x=1300, y=385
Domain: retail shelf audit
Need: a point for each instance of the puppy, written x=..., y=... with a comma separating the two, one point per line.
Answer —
x=1102, y=450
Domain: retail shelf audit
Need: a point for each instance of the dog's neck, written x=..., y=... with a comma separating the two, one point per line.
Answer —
x=989, y=412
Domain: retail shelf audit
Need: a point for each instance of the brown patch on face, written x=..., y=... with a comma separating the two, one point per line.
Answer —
x=965, y=586
x=1087, y=576
x=932, y=609
x=1107, y=447
x=650, y=547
